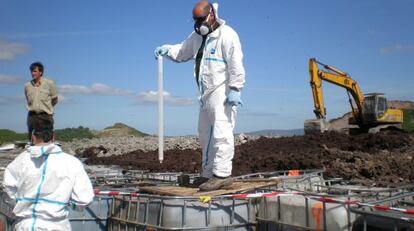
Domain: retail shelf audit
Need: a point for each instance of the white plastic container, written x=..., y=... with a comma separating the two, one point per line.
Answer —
x=93, y=218
x=180, y=213
x=297, y=212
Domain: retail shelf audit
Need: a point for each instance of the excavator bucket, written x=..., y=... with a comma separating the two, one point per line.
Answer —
x=316, y=126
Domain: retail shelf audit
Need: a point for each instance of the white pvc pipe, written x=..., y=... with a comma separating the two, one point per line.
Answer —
x=160, y=110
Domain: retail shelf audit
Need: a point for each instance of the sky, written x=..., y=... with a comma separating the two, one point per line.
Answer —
x=100, y=54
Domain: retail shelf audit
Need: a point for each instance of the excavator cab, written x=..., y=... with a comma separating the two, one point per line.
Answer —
x=376, y=114
x=375, y=106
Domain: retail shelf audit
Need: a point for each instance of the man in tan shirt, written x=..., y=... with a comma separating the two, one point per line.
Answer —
x=41, y=96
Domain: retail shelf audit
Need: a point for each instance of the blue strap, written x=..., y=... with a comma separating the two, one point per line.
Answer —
x=208, y=145
x=216, y=59
x=59, y=152
x=35, y=202
x=27, y=199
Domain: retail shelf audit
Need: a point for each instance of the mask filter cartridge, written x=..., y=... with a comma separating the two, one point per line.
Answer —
x=203, y=30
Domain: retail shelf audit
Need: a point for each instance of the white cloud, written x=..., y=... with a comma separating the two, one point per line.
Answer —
x=94, y=89
x=148, y=97
x=9, y=50
x=398, y=48
x=7, y=79
x=151, y=97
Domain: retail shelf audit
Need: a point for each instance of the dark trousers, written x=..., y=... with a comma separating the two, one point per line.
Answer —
x=33, y=117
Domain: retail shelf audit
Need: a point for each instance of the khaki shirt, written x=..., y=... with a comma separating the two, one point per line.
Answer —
x=39, y=99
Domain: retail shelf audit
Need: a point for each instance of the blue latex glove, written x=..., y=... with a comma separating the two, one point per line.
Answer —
x=234, y=98
x=160, y=51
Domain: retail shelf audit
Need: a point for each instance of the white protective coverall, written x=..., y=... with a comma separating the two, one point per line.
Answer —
x=44, y=180
x=221, y=68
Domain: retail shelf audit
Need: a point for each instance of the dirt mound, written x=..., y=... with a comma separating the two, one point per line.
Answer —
x=341, y=124
x=399, y=104
x=383, y=158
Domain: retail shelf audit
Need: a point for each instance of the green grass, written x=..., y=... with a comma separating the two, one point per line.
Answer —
x=408, y=124
x=9, y=136
x=68, y=134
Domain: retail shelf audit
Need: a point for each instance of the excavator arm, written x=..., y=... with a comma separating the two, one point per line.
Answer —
x=337, y=77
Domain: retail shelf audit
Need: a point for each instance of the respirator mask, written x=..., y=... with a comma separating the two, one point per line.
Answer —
x=201, y=26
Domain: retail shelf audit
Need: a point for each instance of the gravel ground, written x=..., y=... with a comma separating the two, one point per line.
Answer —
x=122, y=145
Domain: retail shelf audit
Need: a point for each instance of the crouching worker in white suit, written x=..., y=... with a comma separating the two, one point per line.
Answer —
x=45, y=181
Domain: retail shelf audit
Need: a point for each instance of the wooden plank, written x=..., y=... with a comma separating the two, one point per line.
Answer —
x=169, y=190
x=235, y=187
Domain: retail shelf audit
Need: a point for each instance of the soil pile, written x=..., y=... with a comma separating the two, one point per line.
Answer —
x=384, y=158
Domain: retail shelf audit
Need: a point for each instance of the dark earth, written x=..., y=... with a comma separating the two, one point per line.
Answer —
x=385, y=158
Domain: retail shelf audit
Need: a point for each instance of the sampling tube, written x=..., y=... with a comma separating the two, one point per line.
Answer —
x=160, y=110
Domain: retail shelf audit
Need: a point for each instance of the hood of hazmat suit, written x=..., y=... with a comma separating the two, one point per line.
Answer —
x=44, y=181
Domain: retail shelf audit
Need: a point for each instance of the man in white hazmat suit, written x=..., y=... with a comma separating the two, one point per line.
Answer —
x=220, y=77
x=44, y=181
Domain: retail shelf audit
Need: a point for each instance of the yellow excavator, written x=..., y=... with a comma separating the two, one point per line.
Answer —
x=369, y=112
